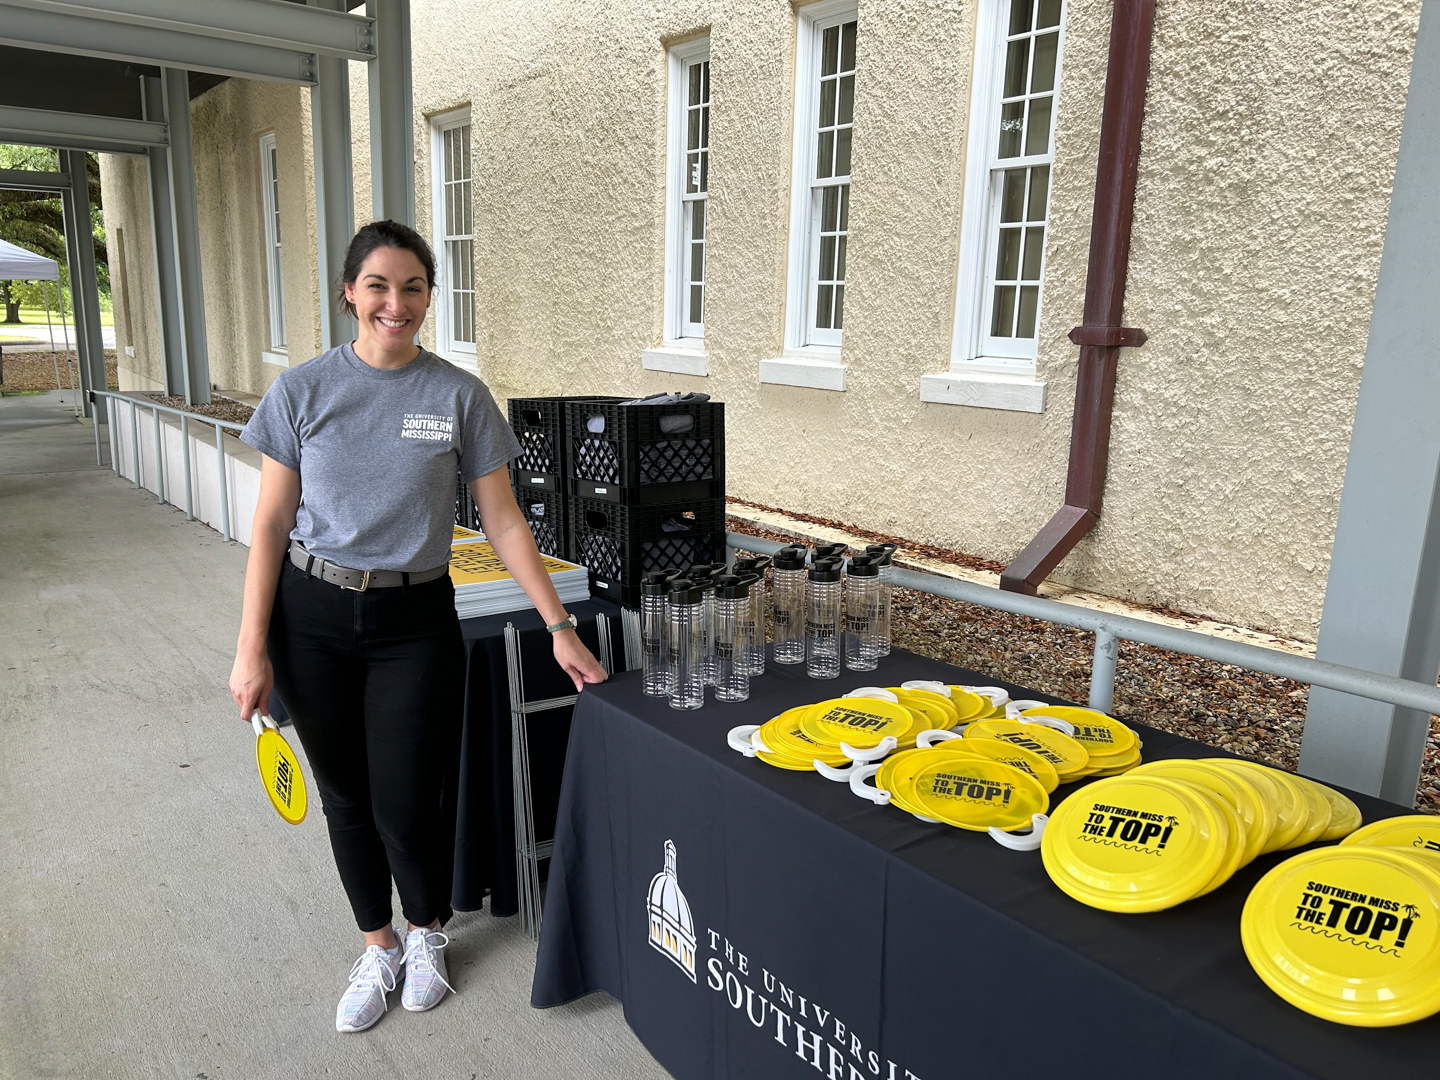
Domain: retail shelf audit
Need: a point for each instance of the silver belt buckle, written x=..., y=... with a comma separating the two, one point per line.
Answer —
x=364, y=584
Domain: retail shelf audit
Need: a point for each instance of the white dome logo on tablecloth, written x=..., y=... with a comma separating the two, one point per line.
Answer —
x=672, y=930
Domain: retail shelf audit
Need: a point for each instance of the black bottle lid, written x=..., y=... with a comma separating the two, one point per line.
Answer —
x=825, y=570
x=657, y=582
x=864, y=566
x=881, y=553
x=828, y=551
x=791, y=558
x=685, y=591
x=731, y=587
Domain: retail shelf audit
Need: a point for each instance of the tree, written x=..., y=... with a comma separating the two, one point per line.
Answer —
x=35, y=221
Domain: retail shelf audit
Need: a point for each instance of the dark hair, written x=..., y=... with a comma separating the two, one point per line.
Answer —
x=383, y=234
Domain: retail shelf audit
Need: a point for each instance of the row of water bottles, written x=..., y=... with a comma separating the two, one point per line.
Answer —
x=705, y=626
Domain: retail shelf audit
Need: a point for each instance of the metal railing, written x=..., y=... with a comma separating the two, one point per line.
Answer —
x=1110, y=630
x=156, y=409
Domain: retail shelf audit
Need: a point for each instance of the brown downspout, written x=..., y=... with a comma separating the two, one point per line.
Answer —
x=1100, y=336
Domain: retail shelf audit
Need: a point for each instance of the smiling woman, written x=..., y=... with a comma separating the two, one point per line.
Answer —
x=349, y=612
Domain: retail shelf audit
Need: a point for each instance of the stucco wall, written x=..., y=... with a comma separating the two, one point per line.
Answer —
x=227, y=122
x=1268, y=149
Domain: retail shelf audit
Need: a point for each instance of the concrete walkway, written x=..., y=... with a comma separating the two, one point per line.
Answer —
x=157, y=919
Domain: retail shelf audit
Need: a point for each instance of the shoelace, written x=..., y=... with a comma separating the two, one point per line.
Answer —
x=371, y=969
x=421, y=952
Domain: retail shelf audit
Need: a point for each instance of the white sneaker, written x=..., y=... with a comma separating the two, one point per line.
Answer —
x=374, y=975
x=425, y=982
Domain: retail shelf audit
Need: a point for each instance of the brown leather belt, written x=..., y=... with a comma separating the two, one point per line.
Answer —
x=359, y=580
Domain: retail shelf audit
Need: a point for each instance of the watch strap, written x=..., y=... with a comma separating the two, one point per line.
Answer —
x=570, y=622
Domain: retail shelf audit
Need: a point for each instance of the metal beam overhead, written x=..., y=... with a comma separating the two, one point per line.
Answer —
x=392, y=112
x=79, y=131
x=1382, y=599
x=273, y=23
x=33, y=180
x=185, y=218
x=162, y=236
x=69, y=32
x=334, y=193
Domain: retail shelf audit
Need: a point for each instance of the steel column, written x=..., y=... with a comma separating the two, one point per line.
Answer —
x=224, y=484
x=1102, y=671
x=185, y=221
x=84, y=288
x=334, y=195
x=1382, y=600
x=392, y=123
x=162, y=236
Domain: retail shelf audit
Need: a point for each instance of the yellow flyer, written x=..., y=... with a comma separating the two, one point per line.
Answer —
x=465, y=536
x=476, y=563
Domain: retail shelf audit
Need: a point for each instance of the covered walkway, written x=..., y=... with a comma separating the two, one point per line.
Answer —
x=157, y=918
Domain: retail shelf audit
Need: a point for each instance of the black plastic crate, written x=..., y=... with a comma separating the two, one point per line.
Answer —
x=545, y=513
x=646, y=454
x=621, y=544
x=539, y=425
x=467, y=514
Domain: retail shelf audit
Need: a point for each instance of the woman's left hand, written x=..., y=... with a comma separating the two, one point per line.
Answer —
x=572, y=655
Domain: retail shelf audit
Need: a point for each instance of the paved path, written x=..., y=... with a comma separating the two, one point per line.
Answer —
x=61, y=337
x=156, y=918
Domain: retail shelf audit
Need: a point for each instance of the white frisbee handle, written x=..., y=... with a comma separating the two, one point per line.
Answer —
x=1014, y=708
x=874, y=753
x=877, y=692
x=830, y=772
x=927, y=684
x=931, y=736
x=257, y=724
x=996, y=695
x=739, y=739
x=861, y=773
x=1062, y=726
x=1022, y=841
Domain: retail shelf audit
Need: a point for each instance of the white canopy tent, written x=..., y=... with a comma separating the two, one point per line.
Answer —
x=17, y=264
x=20, y=264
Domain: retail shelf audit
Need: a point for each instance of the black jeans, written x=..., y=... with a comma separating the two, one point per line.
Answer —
x=374, y=682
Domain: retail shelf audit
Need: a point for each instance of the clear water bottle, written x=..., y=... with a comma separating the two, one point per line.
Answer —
x=683, y=637
x=788, y=596
x=732, y=622
x=703, y=576
x=862, y=613
x=654, y=650
x=884, y=554
x=753, y=570
x=822, y=620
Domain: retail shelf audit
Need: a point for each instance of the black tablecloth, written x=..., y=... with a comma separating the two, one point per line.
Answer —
x=485, y=821
x=839, y=936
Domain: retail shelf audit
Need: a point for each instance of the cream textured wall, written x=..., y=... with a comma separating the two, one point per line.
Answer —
x=1267, y=154
x=227, y=123
x=1268, y=149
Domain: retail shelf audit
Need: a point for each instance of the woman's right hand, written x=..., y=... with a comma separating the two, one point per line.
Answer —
x=251, y=680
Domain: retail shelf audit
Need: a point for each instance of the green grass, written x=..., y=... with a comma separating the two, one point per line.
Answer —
x=36, y=317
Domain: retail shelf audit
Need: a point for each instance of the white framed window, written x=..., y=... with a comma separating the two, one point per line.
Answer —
x=1007, y=192
x=453, y=215
x=825, y=58
x=274, y=275
x=687, y=181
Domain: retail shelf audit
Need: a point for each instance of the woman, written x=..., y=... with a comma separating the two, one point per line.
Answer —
x=349, y=612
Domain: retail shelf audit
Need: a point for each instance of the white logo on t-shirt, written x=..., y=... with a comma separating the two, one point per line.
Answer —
x=427, y=426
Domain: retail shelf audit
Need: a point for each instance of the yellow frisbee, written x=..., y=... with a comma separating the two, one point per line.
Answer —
x=1419, y=833
x=1257, y=816
x=1067, y=756
x=862, y=723
x=971, y=792
x=1102, y=735
x=1350, y=934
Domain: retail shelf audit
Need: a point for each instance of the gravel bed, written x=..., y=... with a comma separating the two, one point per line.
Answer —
x=31, y=371
x=1245, y=712
x=221, y=408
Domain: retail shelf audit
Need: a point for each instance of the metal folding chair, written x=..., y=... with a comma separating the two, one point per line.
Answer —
x=528, y=850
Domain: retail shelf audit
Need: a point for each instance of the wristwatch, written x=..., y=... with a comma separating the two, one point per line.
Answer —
x=567, y=623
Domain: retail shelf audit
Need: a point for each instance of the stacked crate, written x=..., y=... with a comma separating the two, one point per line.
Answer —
x=538, y=476
x=646, y=489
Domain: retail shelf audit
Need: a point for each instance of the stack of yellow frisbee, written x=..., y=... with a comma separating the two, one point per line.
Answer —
x=1351, y=934
x=1171, y=830
x=970, y=784
x=1067, y=757
x=1113, y=748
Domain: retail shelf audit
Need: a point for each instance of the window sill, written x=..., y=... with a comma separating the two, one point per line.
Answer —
x=817, y=368
x=680, y=359
x=984, y=390
x=279, y=359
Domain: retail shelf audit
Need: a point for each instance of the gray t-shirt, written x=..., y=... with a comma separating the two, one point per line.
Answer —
x=377, y=452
